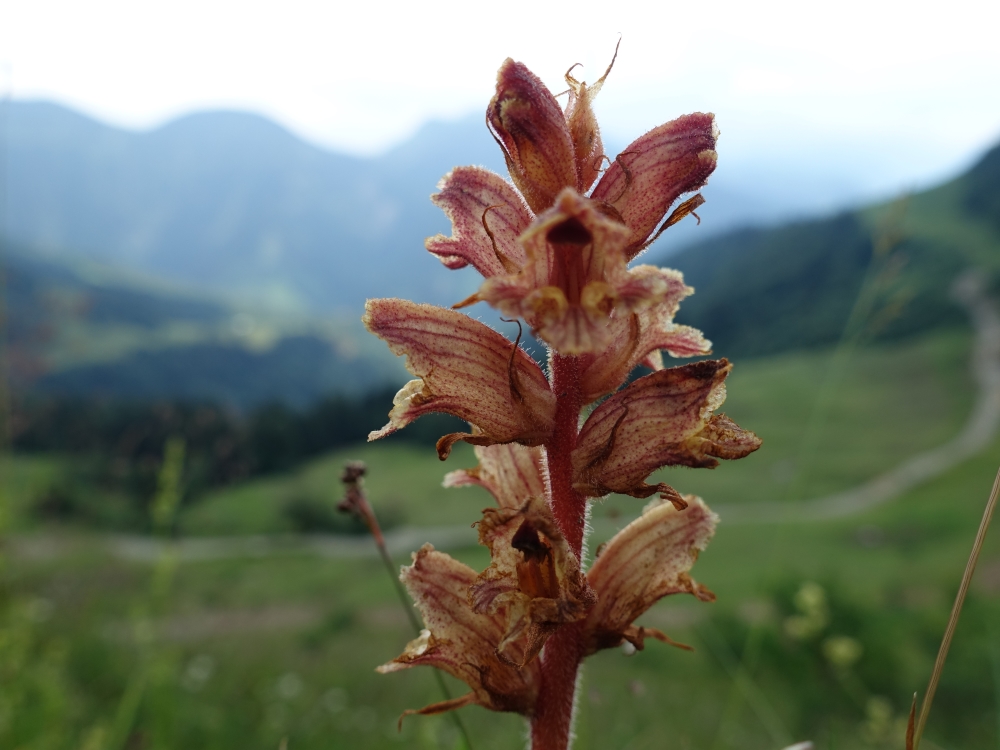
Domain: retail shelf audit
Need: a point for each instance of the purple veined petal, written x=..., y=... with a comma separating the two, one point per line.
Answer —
x=463, y=368
x=653, y=171
x=487, y=216
x=644, y=562
x=662, y=419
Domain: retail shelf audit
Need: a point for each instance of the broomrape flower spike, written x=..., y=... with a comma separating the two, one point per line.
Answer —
x=554, y=249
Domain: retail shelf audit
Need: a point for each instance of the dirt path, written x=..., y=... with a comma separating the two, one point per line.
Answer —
x=135, y=548
x=979, y=431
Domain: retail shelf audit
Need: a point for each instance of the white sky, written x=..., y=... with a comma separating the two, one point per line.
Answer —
x=910, y=89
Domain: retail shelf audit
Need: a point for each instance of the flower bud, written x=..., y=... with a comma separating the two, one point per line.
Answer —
x=530, y=127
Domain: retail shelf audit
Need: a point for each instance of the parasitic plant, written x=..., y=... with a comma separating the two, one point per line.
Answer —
x=554, y=248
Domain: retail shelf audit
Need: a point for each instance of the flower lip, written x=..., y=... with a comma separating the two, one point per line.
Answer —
x=570, y=232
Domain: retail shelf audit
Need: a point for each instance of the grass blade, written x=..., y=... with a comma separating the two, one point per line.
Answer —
x=949, y=633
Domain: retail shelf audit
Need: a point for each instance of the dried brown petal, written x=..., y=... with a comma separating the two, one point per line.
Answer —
x=459, y=641
x=534, y=579
x=662, y=419
x=585, y=133
x=466, y=369
x=487, y=216
x=512, y=473
x=647, y=560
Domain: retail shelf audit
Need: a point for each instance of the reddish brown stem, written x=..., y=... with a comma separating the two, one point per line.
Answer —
x=568, y=506
x=551, y=725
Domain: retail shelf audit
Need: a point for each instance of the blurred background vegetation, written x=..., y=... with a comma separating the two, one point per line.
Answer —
x=172, y=569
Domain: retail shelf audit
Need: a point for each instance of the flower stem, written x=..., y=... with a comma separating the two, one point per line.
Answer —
x=551, y=726
x=956, y=610
x=568, y=506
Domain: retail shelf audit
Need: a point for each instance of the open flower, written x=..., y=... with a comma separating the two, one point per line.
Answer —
x=662, y=419
x=575, y=276
x=644, y=562
x=548, y=150
x=565, y=273
x=460, y=641
x=534, y=579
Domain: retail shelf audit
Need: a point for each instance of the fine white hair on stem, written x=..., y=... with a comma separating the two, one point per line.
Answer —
x=576, y=692
x=588, y=529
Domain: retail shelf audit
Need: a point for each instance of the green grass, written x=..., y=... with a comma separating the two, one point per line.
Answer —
x=893, y=402
x=249, y=651
x=404, y=484
x=22, y=480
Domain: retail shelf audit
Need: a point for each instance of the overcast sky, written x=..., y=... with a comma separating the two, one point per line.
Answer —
x=890, y=92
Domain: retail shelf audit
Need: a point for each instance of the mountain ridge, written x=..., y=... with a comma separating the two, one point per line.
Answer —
x=94, y=326
x=234, y=202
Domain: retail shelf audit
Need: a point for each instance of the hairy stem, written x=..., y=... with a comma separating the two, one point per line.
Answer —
x=551, y=726
x=568, y=506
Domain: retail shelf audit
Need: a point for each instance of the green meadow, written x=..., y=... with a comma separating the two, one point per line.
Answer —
x=822, y=631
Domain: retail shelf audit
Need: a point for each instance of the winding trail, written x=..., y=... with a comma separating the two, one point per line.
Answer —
x=979, y=431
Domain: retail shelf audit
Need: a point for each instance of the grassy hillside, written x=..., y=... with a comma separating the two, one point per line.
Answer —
x=249, y=649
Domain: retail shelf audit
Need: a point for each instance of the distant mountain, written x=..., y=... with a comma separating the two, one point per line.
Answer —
x=77, y=330
x=760, y=291
x=232, y=202
x=980, y=189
